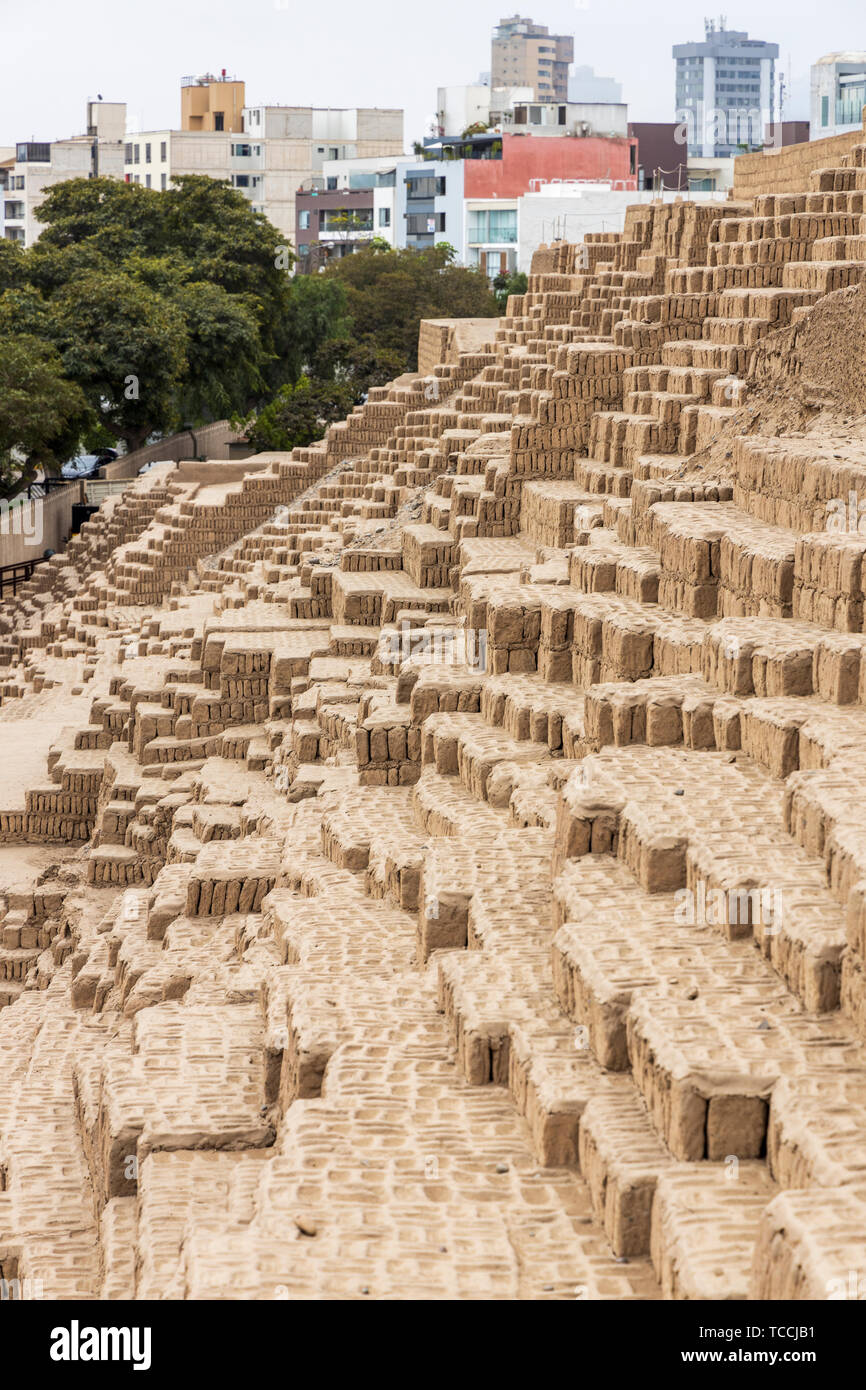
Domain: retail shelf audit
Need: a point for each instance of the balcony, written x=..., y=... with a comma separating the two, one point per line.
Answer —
x=345, y=227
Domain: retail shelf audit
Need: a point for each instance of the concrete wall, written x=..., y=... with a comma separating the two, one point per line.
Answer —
x=211, y=441
x=28, y=528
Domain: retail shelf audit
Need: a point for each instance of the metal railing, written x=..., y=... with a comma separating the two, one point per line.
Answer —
x=13, y=575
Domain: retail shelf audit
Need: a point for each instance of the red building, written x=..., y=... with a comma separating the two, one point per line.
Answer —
x=528, y=161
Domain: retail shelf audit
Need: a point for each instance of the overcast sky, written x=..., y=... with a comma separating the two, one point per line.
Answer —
x=55, y=54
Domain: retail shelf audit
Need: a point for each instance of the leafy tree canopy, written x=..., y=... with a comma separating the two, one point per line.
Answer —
x=42, y=413
x=139, y=310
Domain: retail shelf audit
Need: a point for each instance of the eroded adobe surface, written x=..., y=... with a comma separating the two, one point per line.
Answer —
x=435, y=866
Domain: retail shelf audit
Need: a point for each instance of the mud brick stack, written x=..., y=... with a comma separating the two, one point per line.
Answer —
x=455, y=826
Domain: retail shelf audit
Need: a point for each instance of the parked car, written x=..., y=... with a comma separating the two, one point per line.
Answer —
x=86, y=465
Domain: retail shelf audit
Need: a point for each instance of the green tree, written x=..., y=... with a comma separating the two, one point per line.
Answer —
x=200, y=231
x=42, y=413
x=389, y=293
x=299, y=414
x=516, y=282
x=315, y=315
x=125, y=345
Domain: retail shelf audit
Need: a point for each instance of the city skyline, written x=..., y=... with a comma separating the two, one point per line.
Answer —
x=397, y=70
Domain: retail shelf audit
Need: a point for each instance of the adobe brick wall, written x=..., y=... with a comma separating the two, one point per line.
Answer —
x=787, y=170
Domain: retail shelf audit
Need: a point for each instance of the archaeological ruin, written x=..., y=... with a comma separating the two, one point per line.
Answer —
x=433, y=862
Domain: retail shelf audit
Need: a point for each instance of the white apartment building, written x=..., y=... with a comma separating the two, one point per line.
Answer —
x=515, y=111
x=25, y=179
x=838, y=94
x=380, y=173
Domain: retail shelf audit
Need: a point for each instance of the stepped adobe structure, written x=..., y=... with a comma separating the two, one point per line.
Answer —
x=434, y=865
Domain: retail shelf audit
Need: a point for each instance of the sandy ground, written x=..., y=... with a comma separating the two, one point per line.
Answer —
x=27, y=730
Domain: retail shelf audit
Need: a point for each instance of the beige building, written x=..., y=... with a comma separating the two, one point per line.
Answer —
x=277, y=149
x=525, y=54
x=37, y=165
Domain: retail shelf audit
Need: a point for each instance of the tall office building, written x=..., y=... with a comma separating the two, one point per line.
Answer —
x=527, y=55
x=725, y=90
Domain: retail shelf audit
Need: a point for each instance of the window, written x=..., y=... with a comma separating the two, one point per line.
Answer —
x=33, y=153
x=495, y=225
x=242, y=180
x=422, y=186
x=127, y=153
x=825, y=111
x=331, y=184
x=384, y=217
x=147, y=154
x=304, y=249
x=219, y=120
x=162, y=182
x=163, y=151
x=147, y=180
x=632, y=159
x=242, y=151
x=304, y=220
x=136, y=154
x=335, y=153
x=422, y=224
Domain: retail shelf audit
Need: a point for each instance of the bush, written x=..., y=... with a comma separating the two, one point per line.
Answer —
x=299, y=414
